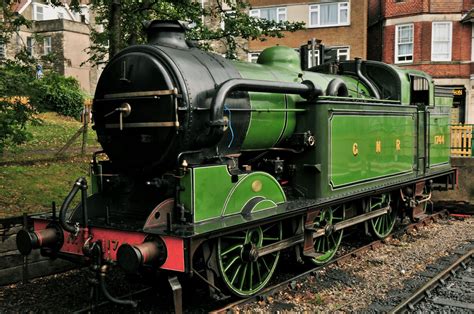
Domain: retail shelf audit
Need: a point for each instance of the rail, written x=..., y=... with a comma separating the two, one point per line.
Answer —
x=461, y=140
x=408, y=304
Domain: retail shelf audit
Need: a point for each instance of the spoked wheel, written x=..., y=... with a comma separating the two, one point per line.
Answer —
x=326, y=246
x=381, y=226
x=242, y=271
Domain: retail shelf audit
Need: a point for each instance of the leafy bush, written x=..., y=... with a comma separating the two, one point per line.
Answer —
x=15, y=80
x=58, y=93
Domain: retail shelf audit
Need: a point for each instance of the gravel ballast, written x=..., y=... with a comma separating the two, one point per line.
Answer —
x=375, y=280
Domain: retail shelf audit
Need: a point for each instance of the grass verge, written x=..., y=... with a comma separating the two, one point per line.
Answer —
x=32, y=188
x=48, y=137
x=27, y=182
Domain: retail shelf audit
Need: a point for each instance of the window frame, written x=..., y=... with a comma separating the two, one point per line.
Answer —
x=223, y=15
x=30, y=47
x=3, y=49
x=35, y=11
x=450, y=50
x=397, y=55
x=310, y=58
x=312, y=8
x=47, y=48
x=339, y=53
x=279, y=10
x=252, y=55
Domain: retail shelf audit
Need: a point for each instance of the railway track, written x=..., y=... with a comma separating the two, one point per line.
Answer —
x=451, y=290
x=339, y=260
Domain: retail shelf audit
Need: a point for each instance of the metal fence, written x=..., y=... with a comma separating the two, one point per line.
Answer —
x=461, y=140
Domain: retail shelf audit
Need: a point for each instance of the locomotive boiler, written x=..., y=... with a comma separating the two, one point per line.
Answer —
x=212, y=167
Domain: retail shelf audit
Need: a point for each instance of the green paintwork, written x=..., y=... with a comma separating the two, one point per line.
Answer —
x=329, y=169
x=421, y=158
x=347, y=128
x=95, y=177
x=241, y=276
x=266, y=128
x=381, y=226
x=242, y=192
x=444, y=102
x=439, y=136
x=405, y=84
x=208, y=192
x=337, y=126
x=327, y=245
x=280, y=63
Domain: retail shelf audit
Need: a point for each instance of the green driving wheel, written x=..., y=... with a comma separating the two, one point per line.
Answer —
x=326, y=246
x=381, y=226
x=243, y=272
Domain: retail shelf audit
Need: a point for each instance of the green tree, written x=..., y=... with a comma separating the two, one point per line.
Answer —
x=18, y=78
x=15, y=78
x=122, y=22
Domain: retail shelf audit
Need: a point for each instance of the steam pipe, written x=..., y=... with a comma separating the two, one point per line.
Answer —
x=74, y=229
x=364, y=79
x=102, y=273
x=305, y=89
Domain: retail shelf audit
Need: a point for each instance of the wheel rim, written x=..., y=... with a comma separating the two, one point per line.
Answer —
x=382, y=225
x=327, y=245
x=242, y=274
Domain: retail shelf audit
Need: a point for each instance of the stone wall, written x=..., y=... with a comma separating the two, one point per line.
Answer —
x=464, y=192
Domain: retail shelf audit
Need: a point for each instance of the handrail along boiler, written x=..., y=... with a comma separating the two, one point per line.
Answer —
x=211, y=167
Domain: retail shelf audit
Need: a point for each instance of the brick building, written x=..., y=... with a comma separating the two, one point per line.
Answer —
x=59, y=32
x=434, y=36
x=341, y=24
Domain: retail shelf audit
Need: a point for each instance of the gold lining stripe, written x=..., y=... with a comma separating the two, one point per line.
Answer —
x=143, y=125
x=142, y=94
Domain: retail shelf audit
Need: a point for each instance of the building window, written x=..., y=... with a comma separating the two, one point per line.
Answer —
x=30, y=42
x=38, y=12
x=226, y=15
x=337, y=53
x=343, y=53
x=404, y=43
x=329, y=14
x=316, y=61
x=271, y=14
x=2, y=48
x=441, y=35
x=253, y=56
x=46, y=45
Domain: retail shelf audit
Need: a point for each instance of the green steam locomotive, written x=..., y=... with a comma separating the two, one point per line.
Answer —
x=213, y=167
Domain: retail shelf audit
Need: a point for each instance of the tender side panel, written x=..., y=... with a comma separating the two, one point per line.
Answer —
x=369, y=145
x=439, y=134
